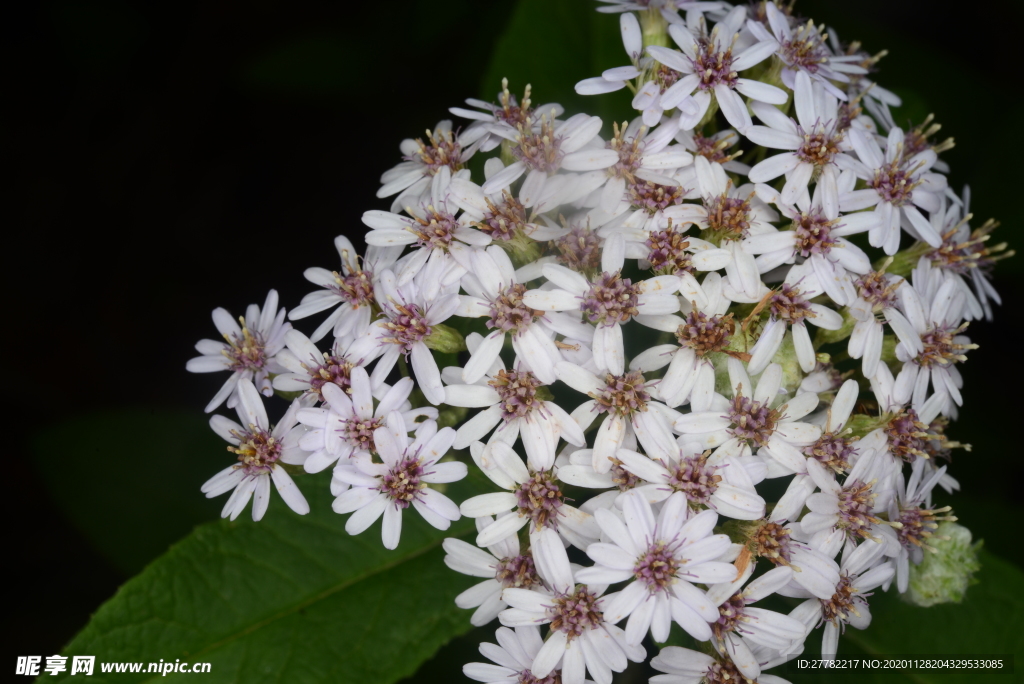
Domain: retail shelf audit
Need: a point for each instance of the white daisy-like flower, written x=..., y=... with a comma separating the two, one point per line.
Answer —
x=260, y=450
x=442, y=149
x=431, y=225
x=533, y=496
x=683, y=666
x=508, y=110
x=503, y=565
x=859, y=574
x=500, y=215
x=608, y=300
x=410, y=309
x=791, y=306
x=814, y=572
x=510, y=402
x=911, y=507
x=934, y=306
x=514, y=657
x=400, y=480
x=742, y=628
x=716, y=148
x=664, y=558
x=309, y=369
x=899, y=186
x=539, y=152
x=580, y=637
x=834, y=448
x=734, y=427
x=350, y=289
x=727, y=216
x=344, y=427
x=818, y=146
x=708, y=67
x=876, y=303
x=851, y=507
x=249, y=350
x=802, y=50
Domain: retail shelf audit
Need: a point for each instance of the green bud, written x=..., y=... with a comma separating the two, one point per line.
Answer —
x=654, y=28
x=521, y=249
x=445, y=339
x=947, y=569
x=860, y=424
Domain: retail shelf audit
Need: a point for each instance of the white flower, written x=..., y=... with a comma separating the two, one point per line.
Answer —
x=249, y=350
x=683, y=666
x=442, y=149
x=259, y=448
x=859, y=574
x=508, y=111
x=502, y=564
x=876, y=302
x=580, y=637
x=814, y=572
x=351, y=288
x=608, y=300
x=898, y=185
x=708, y=66
x=533, y=495
x=509, y=400
x=514, y=658
x=309, y=369
x=818, y=146
x=431, y=226
x=410, y=310
x=664, y=558
x=741, y=629
x=911, y=507
x=715, y=148
x=803, y=51
x=390, y=487
x=791, y=306
x=344, y=427
x=749, y=420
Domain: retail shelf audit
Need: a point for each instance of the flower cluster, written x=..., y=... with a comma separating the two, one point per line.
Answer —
x=759, y=278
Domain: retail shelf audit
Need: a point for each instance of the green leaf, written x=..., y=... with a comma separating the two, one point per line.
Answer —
x=130, y=479
x=553, y=46
x=291, y=598
x=990, y=620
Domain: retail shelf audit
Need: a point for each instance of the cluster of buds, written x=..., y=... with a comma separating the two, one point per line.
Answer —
x=761, y=277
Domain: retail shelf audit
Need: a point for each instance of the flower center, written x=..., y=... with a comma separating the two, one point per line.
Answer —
x=845, y=116
x=517, y=393
x=408, y=327
x=917, y=140
x=441, y=149
x=652, y=197
x=819, y=146
x=402, y=483
x=334, y=369
x=505, y=220
x=518, y=571
x=907, y=436
x=705, y=334
x=539, y=151
x=714, y=66
x=788, y=304
x=724, y=672
x=714, y=149
x=832, y=450
x=246, y=352
x=855, y=502
x=630, y=152
x=728, y=218
x=508, y=313
x=359, y=432
x=612, y=299
x=961, y=251
x=526, y=677
x=841, y=605
x=513, y=114
x=622, y=478
x=894, y=182
x=668, y=254
x=730, y=614
x=814, y=233
x=575, y=613
x=752, y=421
x=876, y=290
x=355, y=288
x=804, y=49
x=657, y=568
x=772, y=540
x=579, y=249
x=622, y=394
x=918, y=524
x=941, y=347
x=694, y=478
x=539, y=499
x=435, y=230
x=665, y=77
x=257, y=450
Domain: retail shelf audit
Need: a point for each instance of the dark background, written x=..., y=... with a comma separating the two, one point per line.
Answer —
x=166, y=159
